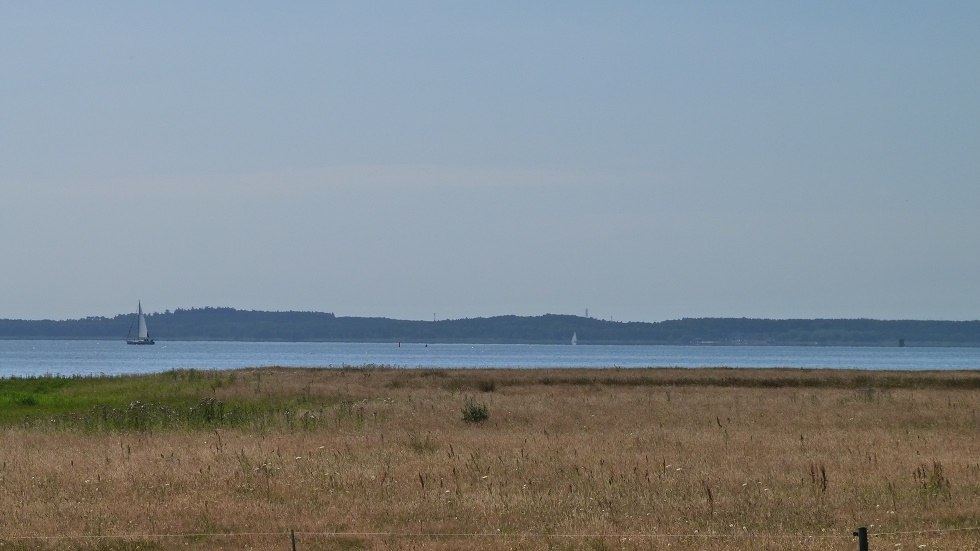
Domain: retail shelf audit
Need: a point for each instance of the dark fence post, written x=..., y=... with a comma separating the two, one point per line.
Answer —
x=862, y=536
x=292, y=537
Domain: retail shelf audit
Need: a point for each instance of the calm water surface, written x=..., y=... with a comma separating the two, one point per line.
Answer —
x=37, y=357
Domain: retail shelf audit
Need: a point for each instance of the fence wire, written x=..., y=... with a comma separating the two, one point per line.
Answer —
x=474, y=535
x=928, y=531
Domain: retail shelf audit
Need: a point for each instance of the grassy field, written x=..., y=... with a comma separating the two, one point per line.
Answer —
x=376, y=458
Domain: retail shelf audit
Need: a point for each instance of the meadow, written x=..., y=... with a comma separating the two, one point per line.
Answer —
x=382, y=458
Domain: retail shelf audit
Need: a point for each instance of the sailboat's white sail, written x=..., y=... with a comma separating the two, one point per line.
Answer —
x=574, y=338
x=142, y=333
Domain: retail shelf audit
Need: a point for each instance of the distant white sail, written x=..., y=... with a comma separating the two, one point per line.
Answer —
x=142, y=333
x=574, y=338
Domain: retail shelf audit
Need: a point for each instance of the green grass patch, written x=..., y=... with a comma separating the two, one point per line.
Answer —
x=179, y=399
x=51, y=395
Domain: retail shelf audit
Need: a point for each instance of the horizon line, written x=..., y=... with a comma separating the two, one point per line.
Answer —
x=437, y=320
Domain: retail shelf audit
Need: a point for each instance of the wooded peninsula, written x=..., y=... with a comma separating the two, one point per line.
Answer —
x=249, y=325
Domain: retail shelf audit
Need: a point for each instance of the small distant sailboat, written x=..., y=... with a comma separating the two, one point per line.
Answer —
x=574, y=339
x=142, y=335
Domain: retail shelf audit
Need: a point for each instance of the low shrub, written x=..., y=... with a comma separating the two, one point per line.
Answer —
x=474, y=412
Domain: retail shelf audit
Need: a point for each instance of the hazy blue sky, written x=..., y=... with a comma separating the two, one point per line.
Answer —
x=643, y=160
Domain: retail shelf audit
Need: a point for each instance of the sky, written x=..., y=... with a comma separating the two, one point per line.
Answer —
x=643, y=161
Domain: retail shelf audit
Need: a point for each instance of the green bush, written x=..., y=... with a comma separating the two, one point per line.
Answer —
x=474, y=412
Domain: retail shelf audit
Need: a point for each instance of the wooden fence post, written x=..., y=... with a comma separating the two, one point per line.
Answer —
x=862, y=536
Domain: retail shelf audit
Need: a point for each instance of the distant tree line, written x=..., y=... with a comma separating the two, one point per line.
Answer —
x=248, y=325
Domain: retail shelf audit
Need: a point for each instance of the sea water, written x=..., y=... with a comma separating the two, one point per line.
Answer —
x=24, y=358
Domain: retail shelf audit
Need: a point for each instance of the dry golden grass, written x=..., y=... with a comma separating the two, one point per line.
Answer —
x=569, y=459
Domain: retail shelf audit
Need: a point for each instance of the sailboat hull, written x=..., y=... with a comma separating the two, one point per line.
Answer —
x=140, y=341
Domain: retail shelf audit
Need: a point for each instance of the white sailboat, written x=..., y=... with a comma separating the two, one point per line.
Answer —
x=142, y=335
x=574, y=338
